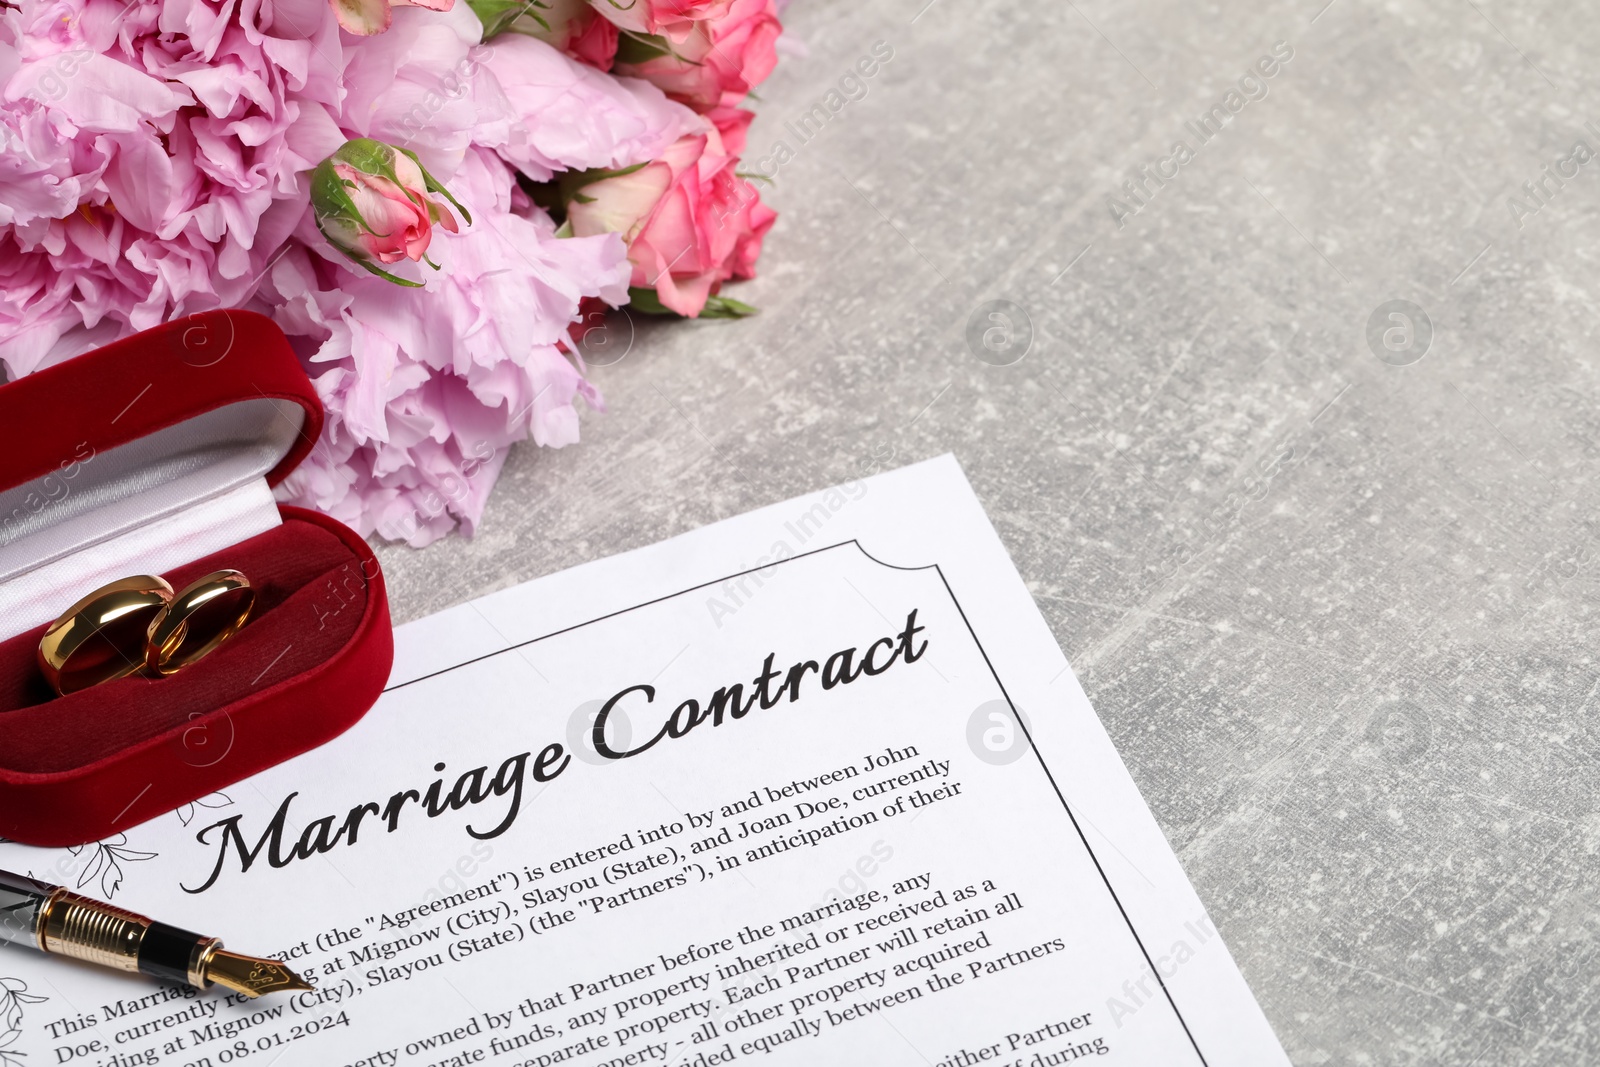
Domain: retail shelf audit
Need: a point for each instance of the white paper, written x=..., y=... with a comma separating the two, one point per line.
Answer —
x=877, y=871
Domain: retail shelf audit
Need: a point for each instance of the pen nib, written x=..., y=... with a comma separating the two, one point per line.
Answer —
x=250, y=976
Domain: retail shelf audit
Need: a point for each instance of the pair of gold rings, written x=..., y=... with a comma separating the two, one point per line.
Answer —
x=139, y=624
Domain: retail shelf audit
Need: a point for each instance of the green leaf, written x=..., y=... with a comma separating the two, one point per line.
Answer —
x=726, y=307
x=499, y=16
x=647, y=302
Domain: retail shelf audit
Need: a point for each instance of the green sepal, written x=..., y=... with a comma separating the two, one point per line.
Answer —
x=641, y=47
x=434, y=185
x=376, y=157
x=368, y=265
x=365, y=154
x=635, y=47
x=329, y=197
x=573, y=180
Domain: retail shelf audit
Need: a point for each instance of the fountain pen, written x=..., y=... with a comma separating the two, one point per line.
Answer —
x=57, y=921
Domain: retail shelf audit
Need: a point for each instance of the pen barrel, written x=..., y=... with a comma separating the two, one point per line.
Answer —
x=175, y=955
x=21, y=900
x=114, y=937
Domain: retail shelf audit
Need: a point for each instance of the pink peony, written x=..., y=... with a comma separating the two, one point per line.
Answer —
x=571, y=117
x=717, y=62
x=418, y=429
x=151, y=158
x=667, y=18
x=689, y=221
x=417, y=87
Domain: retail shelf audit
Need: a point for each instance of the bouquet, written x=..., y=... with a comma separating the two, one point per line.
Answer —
x=433, y=198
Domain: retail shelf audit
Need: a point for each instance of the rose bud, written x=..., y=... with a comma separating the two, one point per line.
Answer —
x=371, y=202
x=717, y=62
x=689, y=221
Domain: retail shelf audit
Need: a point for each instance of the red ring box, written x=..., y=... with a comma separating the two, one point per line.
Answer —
x=156, y=454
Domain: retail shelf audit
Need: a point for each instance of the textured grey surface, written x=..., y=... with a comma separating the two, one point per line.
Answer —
x=1336, y=614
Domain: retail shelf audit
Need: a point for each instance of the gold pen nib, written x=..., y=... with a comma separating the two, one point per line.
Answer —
x=250, y=976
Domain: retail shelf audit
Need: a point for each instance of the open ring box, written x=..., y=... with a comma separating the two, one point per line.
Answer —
x=157, y=455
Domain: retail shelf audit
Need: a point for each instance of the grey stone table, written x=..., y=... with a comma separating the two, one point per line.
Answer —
x=1325, y=562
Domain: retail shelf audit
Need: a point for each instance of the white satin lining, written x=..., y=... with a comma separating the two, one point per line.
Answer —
x=142, y=508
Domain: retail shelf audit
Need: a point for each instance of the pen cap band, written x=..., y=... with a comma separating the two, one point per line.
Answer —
x=91, y=931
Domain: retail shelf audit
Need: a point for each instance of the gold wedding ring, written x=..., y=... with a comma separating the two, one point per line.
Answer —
x=196, y=620
x=102, y=636
x=139, y=623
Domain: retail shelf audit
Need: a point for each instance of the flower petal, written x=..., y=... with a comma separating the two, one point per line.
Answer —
x=363, y=17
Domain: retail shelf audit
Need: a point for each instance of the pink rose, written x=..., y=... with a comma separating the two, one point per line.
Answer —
x=578, y=30
x=690, y=223
x=755, y=218
x=396, y=227
x=372, y=203
x=718, y=61
x=592, y=41
x=668, y=18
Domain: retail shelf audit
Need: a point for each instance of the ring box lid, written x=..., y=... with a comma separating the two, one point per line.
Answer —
x=156, y=455
x=127, y=458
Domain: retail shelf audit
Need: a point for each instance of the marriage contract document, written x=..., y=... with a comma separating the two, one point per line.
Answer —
x=813, y=785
